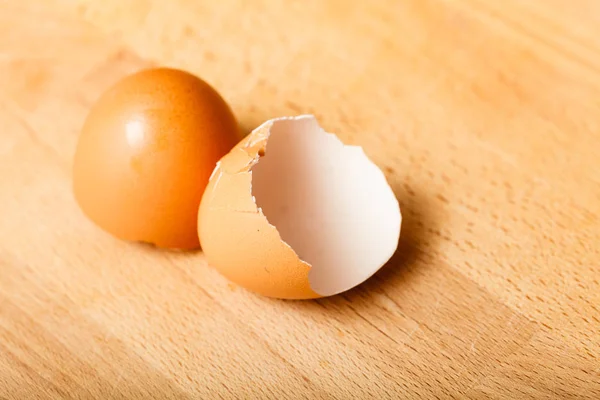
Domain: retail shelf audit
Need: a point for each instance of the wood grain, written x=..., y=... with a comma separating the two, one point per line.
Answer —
x=484, y=116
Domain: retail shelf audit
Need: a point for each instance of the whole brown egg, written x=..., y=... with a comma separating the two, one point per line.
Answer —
x=145, y=155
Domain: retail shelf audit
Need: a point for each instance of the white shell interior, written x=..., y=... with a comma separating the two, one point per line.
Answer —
x=328, y=201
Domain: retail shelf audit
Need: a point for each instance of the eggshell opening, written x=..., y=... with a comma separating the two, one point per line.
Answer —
x=329, y=202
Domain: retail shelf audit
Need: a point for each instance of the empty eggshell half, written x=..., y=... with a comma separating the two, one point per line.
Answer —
x=291, y=212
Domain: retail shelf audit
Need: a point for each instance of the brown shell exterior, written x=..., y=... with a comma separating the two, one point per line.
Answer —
x=147, y=185
x=236, y=237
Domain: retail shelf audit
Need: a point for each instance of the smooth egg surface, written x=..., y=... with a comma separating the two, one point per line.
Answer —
x=145, y=155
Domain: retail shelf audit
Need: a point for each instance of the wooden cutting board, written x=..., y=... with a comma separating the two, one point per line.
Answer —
x=485, y=117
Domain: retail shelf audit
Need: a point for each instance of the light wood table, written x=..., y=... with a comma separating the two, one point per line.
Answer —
x=484, y=115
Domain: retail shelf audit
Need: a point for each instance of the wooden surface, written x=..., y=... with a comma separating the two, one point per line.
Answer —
x=484, y=116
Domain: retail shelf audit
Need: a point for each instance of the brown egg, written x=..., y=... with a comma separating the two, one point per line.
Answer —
x=146, y=152
x=292, y=212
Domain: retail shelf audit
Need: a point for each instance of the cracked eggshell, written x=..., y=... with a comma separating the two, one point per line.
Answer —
x=293, y=213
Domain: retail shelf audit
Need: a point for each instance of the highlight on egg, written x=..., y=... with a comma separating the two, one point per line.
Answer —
x=291, y=212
